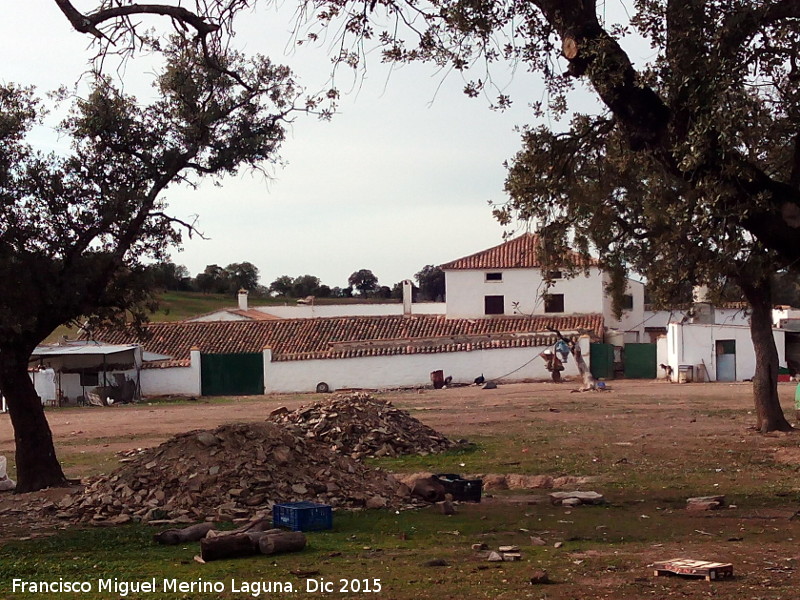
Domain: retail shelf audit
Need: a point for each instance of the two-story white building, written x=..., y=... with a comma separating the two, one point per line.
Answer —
x=508, y=279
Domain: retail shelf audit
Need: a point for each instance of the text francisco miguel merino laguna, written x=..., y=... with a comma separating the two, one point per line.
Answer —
x=254, y=588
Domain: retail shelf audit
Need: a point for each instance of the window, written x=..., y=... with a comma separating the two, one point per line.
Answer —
x=494, y=305
x=554, y=303
x=554, y=275
x=494, y=277
x=627, y=302
x=90, y=379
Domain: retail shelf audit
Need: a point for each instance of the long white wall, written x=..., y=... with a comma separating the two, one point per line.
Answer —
x=301, y=311
x=410, y=369
x=695, y=344
x=522, y=290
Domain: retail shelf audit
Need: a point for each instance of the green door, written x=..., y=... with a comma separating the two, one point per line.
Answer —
x=640, y=361
x=232, y=374
x=601, y=361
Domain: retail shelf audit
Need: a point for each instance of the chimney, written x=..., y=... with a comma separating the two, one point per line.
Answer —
x=243, y=299
x=407, y=289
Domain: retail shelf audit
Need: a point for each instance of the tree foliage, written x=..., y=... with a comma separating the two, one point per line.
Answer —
x=431, y=282
x=364, y=281
x=74, y=228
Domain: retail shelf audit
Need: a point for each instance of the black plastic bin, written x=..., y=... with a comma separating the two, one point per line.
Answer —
x=465, y=490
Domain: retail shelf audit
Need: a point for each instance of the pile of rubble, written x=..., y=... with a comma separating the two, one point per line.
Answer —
x=361, y=426
x=233, y=472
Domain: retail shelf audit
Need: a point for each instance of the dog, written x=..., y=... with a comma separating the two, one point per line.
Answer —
x=667, y=371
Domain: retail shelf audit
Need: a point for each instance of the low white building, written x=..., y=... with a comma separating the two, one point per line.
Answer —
x=714, y=352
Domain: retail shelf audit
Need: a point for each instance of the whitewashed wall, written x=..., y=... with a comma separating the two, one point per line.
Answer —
x=409, y=369
x=722, y=316
x=466, y=291
x=330, y=310
x=180, y=381
x=693, y=344
x=631, y=322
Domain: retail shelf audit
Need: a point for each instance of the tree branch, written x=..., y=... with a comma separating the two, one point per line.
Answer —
x=88, y=23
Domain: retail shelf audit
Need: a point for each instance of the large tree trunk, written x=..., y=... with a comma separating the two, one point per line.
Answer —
x=36, y=462
x=765, y=381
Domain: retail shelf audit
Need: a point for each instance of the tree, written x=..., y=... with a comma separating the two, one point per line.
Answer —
x=213, y=280
x=695, y=157
x=166, y=275
x=74, y=228
x=364, y=281
x=242, y=275
x=305, y=285
x=282, y=286
x=431, y=282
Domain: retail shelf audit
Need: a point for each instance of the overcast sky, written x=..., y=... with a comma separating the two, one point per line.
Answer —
x=400, y=178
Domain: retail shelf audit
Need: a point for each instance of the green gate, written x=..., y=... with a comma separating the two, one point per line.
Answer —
x=601, y=361
x=232, y=374
x=640, y=361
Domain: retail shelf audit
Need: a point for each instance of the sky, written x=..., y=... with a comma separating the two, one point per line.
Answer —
x=401, y=177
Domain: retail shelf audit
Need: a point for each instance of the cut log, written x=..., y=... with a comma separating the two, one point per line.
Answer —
x=228, y=546
x=285, y=541
x=171, y=537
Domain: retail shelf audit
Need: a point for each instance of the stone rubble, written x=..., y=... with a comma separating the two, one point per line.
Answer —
x=233, y=472
x=361, y=426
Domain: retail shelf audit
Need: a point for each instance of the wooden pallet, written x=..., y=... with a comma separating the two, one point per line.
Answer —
x=693, y=568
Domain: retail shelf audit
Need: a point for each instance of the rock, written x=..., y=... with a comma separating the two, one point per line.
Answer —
x=582, y=497
x=701, y=503
x=377, y=502
x=494, y=481
x=494, y=557
x=206, y=438
x=480, y=547
x=537, y=541
x=539, y=577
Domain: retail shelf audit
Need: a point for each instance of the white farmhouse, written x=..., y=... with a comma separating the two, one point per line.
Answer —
x=508, y=280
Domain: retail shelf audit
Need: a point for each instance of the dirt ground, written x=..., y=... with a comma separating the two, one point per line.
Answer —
x=648, y=444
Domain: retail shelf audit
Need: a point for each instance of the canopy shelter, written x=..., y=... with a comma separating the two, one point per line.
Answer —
x=101, y=369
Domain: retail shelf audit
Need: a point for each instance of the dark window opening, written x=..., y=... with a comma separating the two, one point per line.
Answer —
x=494, y=305
x=554, y=275
x=494, y=277
x=554, y=303
x=627, y=302
x=90, y=379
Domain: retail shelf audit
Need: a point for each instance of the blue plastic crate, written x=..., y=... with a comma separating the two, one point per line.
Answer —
x=302, y=516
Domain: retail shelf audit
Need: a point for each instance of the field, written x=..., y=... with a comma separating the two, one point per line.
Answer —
x=648, y=446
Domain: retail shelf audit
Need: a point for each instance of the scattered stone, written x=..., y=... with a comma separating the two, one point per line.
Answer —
x=511, y=556
x=537, y=541
x=558, y=544
x=508, y=549
x=186, y=480
x=494, y=557
x=539, y=577
x=362, y=426
x=582, y=498
x=435, y=562
x=480, y=547
x=701, y=503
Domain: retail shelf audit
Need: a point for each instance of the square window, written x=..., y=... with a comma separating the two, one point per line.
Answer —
x=494, y=277
x=554, y=303
x=627, y=302
x=494, y=305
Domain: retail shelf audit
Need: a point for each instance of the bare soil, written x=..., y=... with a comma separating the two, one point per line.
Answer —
x=650, y=445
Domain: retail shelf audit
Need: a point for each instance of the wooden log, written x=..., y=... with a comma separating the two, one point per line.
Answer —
x=227, y=546
x=285, y=541
x=171, y=537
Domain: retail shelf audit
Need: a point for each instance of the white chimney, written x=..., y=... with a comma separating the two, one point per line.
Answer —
x=407, y=289
x=242, y=299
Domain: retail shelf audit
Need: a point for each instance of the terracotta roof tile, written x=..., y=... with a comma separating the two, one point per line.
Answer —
x=522, y=252
x=349, y=337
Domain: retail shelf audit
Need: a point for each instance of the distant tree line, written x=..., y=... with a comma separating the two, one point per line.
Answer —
x=363, y=283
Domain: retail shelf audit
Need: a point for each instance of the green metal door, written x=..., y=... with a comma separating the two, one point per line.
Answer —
x=232, y=374
x=601, y=361
x=640, y=361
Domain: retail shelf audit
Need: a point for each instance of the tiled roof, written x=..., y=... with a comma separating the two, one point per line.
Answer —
x=251, y=314
x=522, y=252
x=350, y=337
